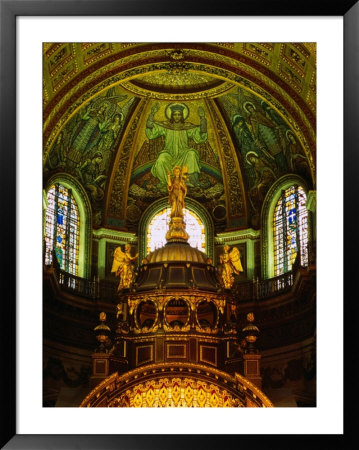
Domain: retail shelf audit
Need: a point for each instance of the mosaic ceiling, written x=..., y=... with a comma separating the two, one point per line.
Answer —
x=248, y=114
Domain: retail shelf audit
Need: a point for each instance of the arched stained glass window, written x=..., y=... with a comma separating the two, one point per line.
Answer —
x=159, y=225
x=62, y=228
x=290, y=226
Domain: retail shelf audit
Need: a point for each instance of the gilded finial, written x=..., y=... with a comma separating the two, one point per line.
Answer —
x=251, y=332
x=177, y=191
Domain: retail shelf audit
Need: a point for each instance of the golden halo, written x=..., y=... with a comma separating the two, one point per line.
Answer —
x=168, y=110
x=246, y=104
x=250, y=154
x=288, y=132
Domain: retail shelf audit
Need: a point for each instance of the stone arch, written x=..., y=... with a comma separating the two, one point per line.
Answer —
x=194, y=385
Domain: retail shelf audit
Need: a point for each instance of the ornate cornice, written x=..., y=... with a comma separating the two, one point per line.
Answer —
x=237, y=236
x=114, y=235
x=171, y=96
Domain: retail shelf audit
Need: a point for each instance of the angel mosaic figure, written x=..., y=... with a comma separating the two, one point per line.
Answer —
x=123, y=267
x=177, y=190
x=231, y=263
x=88, y=131
x=95, y=126
x=297, y=160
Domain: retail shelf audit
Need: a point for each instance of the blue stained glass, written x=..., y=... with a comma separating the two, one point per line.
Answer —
x=60, y=217
x=62, y=228
x=290, y=230
x=292, y=216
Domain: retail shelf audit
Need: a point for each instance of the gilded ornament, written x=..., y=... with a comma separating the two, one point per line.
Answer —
x=239, y=388
x=122, y=266
x=231, y=264
x=119, y=310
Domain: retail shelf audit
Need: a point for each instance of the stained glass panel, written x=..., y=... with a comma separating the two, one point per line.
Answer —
x=159, y=225
x=290, y=230
x=62, y=229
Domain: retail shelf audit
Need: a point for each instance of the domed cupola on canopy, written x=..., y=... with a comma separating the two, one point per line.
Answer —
x=177, y=264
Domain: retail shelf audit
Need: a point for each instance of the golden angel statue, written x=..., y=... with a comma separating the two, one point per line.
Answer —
x=231, y=264
x=123, y=267
x=177, y=190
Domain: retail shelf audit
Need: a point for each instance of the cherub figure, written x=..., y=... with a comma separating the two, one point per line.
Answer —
x=177, y=190
x=231, y=263
x=123, y=267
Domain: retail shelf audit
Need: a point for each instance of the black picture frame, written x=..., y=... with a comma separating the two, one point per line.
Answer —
x=9, y=10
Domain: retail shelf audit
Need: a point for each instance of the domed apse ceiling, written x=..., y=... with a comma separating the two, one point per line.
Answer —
x=258, y=101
